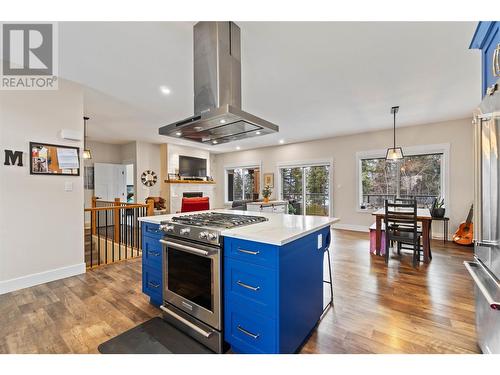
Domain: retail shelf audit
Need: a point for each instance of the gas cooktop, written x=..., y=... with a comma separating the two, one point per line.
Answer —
x=217, y=220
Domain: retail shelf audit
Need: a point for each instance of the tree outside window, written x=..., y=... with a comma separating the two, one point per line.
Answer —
x=306, y=189
x=242, y=184
x=417, y=176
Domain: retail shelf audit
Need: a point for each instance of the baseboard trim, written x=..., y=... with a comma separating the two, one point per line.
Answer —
x=353, y=227
x=40, y=278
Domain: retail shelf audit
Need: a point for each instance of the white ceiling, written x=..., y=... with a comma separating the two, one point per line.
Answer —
x=314, y=80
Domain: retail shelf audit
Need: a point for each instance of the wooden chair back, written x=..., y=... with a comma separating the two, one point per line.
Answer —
x=400, y=218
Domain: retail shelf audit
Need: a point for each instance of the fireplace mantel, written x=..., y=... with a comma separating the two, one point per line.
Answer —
x=189, y=182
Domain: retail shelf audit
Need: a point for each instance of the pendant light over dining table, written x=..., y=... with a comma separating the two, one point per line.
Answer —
x=86, y=152
x=394, y=153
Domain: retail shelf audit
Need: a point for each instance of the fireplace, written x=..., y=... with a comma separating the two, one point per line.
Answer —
x=192, y=194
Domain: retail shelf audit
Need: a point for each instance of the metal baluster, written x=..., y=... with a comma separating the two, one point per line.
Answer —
x=91, y=237
x=106, y=243
x=129, y=239
x=136, y=223
x=98, y=240
x=114, y=232
x=140, y=228
x=120, y=234
x=125, y=230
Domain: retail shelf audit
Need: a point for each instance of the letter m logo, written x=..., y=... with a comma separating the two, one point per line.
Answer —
x=13, y=157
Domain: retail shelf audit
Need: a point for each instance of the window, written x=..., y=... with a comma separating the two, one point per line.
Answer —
x=242, y=183
x=307, y=189
x=417, y=176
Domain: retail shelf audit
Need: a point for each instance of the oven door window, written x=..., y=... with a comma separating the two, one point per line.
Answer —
x=190, y=276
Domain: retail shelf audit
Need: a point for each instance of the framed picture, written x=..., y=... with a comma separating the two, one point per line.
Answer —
x=269, y=179
x=54, y=160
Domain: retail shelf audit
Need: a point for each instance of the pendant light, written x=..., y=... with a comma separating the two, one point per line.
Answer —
x=86, y=152
x=394, y=153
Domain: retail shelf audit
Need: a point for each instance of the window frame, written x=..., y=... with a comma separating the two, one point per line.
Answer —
x=245, y=165
x=441, y=148
x=306, y=163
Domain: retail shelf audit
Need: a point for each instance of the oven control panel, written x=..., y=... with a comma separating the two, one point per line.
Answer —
x=190, y=232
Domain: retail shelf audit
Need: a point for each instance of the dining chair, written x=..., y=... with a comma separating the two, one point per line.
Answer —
x=406, y=200
x=400, y=221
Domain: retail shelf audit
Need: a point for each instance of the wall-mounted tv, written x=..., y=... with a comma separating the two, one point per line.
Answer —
x=192, y=167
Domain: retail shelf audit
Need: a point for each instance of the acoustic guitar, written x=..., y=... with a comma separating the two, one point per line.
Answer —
x=463, y=235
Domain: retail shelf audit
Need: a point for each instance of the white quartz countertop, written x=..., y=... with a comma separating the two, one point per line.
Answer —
x=278, y=230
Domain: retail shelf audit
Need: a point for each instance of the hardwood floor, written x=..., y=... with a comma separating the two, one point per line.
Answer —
x=397, y=309
x=378, y=309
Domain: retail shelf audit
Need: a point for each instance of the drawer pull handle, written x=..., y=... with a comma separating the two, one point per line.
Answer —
x=495, y=64
x=249, y=252
x=153, y=285
x=154, y=253
x=248, y=333
x=254, y=288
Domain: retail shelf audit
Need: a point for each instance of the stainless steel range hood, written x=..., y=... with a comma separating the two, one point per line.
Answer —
x=218, y=117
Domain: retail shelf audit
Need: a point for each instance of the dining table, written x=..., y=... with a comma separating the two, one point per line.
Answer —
x=423, y=216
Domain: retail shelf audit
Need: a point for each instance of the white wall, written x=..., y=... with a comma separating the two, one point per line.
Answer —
x=147, y=158
x=41, y=224
x=342, y=150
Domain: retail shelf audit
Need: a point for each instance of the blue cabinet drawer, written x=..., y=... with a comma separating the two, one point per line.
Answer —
x=251, y=284
x=249, y=332
x=153, y=230
x=152, y=283
x=152, y=253
x=253, y=252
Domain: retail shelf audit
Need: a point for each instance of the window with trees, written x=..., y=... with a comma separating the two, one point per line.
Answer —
x=416, y=176
x=242, y=183
x=307, y=189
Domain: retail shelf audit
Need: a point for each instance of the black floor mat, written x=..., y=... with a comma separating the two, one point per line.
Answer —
x=153, y=337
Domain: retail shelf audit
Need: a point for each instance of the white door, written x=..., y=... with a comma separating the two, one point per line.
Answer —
x=110, y=181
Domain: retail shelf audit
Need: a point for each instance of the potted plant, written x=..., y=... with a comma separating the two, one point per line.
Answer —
x=266, y=193
x=438, y=209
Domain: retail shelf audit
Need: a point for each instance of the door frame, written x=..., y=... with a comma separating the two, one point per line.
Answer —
x=307, y=163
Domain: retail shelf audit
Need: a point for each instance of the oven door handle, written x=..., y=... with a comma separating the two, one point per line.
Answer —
x=189, y=249
x=187, y=322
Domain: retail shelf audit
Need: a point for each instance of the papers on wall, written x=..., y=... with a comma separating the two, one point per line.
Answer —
x=67, y=158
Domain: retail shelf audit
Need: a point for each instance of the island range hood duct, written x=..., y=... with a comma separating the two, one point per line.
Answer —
x=218, y=117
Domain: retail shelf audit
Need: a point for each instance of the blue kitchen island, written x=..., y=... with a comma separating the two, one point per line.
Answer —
x=272, y=279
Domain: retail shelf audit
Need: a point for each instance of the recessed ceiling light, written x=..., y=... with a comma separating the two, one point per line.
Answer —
x=165, y=90
x=257, y=132
x=238, y=147
x=178, y=134
x=214, y=142
x=282, y=141
x=222, y=121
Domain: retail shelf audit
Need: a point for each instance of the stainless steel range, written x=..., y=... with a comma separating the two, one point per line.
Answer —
x=192, y=272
